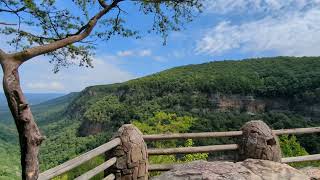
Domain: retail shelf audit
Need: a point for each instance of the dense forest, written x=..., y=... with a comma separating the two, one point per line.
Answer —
x=217, y=96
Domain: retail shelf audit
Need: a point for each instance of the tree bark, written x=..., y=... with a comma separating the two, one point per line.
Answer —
x=29, y=135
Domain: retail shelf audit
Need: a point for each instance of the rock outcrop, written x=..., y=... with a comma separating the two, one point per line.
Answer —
x=313, y=172
x=258, y=142
x=90, y=128
x=258, y=104
x=250, y=169
x=132, y=156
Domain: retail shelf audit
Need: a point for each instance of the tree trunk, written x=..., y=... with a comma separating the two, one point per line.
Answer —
x=29, y=135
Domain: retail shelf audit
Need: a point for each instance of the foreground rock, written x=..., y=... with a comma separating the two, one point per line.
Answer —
x=258, y=142
x=313, y=172
x=251, y=169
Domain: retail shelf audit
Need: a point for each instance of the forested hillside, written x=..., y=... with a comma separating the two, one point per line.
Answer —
x=217, y=93
x=215, y=96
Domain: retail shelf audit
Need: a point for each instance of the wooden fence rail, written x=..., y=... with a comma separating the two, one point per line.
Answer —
x=189, y=150
x=156, y=137
x=65, y=167
x=314, y=157
x=110, y=177
x=129, y=136
x=97, y=170
x=203, y=149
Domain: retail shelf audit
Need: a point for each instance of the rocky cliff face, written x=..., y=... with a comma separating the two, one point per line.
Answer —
x=238, y=103
x=255, y=105
x=90, y=128
x=251, y=169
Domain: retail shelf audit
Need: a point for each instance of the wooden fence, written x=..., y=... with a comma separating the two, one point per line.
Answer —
x=73, y=163
x=124, y=152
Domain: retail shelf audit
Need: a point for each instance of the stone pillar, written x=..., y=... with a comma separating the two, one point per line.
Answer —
x=132, y=156
x=258, y=142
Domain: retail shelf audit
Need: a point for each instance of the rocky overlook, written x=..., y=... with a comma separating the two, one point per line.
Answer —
x=250, y=169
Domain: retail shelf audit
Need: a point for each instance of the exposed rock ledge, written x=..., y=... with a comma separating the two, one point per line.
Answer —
x=250, y=169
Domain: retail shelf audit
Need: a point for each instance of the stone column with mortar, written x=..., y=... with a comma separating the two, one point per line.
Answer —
x=131, y=154
x=258, y=142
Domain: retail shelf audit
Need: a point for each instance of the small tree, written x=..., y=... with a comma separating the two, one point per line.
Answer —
x=47, y=27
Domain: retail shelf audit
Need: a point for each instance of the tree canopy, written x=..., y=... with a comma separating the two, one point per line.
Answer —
x=69, y=30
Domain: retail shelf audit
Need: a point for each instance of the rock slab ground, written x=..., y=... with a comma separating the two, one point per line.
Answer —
x=250, y=169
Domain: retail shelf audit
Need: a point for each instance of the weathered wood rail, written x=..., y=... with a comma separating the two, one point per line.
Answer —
x=128, y=154
x=71, y=164
x=189, y=150
x=156, y=137
x=126, y=158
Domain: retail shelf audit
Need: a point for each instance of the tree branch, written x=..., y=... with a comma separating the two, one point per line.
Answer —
x=13, y=11
x=53, y=26
x=160, y=1
x=103, y=3
x=7, y=24
x=2, y=52
x=83, y=33
x=2, y=55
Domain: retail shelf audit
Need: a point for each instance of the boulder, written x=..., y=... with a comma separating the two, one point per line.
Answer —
x=132, y=156
x=313, y=172
x=250, y=169
x=258, y=142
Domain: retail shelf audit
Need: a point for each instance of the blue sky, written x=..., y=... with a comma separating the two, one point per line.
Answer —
x=227, y=30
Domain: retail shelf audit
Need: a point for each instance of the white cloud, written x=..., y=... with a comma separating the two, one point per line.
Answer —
x=159, y=58
x=258, y=6
x=48, y=86
x=37, y=76
x=295, y=33
x=125, y=53
x=178, y=54
x=145, y=52
x=141, y=53
x=103, y=72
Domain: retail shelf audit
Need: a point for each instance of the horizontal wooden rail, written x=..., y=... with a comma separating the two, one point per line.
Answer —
x=186, y=150
x=297, y=131
x=315, y=157
x=155, y=137
x=97, y=170
x=65, y=167
x=110, y=177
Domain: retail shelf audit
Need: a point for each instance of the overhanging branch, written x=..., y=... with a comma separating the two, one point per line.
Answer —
x=2, y=55
x=160, y=1
x=2, y=52
x=11, y=10
x=103, y=3
x=7, y=24
x=80, y=35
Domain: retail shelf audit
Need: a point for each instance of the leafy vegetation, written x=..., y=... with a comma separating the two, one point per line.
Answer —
x=290, y=147
x=169, y=123
x=216, y=96
x=105, y=110
x=10, y=162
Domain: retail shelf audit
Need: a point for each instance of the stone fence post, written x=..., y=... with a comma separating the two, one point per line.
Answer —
x=131, y=154
x=258, y=142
